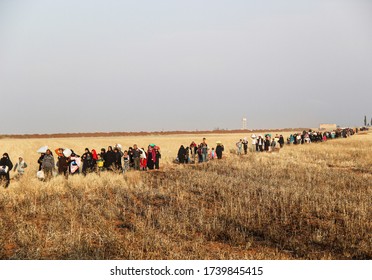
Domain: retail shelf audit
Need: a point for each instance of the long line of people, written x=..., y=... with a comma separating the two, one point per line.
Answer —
x=268, y=143
x=113, y=159
x=134, y=158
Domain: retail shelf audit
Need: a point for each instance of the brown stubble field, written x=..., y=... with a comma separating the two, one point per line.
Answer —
x=308, y=202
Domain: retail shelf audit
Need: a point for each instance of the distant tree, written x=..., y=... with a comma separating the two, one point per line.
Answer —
x=371, y=122
x=365, y=120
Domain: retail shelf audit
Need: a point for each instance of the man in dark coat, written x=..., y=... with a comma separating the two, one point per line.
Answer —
x=219, y=150
x=5, y=166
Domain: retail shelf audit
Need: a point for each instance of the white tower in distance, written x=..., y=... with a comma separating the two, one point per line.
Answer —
x=244, y=123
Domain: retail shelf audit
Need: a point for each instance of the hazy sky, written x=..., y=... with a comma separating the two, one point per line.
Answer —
x=85, y=66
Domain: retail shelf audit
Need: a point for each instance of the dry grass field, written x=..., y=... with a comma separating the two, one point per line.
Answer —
x=305, y=202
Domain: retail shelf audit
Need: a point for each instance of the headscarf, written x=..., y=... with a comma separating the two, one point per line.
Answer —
x=94, y=154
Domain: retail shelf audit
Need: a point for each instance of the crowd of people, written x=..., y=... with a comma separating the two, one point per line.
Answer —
x=116, y=159
x=268, y=143
x=113, y=159
x=199, y=153
x=265, y=143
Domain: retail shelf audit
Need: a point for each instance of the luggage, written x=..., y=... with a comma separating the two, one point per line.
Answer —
x=40, y=175
x=4, y=169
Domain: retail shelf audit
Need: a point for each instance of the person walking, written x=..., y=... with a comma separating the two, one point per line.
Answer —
x=267, y=143
x=219, y=149
x=20, y=166
x=117, y=163
x=100, y=163
x=245, y=145
x=254, y=143
x=6, y=166
x=143, y=159
x=239, y=145
x=212, y=154
x=260, y=143
x=48, y=165
x=298, y=139
x=193, y=151
x=87, y=159
x=151, y=157
x=204, y=150
x=110, y=159
x=62, y=162
x=126, y=160
x=103, y=158
x=136, y=154
x=158, y=157
x=181, y=154
x=95, y=158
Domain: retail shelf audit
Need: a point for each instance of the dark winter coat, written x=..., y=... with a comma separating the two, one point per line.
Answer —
x=62, y=164
x=118, y=160
x=158, y=157
x=110, y=159
x=181, y=154
x=219, y=150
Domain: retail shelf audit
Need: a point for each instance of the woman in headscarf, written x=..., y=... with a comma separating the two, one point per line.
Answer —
x=5, y=166
x=48, y=164
x=118, y=166
x=245, y=145
x=181, y=154
x=131, y=158
x=87, y=159
x=110, y=158
x=95, y=158
x=158, y=157
x=151, y=157
x=143, y=159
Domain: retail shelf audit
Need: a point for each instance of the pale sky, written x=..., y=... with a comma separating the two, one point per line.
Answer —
x=86, y=66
